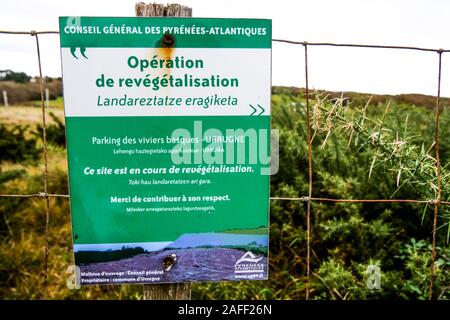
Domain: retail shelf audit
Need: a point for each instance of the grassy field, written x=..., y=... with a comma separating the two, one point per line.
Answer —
x=31, y=115
x=23, y=220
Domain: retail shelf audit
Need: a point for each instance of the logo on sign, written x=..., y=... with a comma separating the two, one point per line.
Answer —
x=249, y=263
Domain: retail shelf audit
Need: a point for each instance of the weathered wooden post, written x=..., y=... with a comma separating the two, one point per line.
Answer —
x=5, y=98
x=175, y=291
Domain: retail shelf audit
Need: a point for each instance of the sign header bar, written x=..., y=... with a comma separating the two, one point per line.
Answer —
x=147, y=32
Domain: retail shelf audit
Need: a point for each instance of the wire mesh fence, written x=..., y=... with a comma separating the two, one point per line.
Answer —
x=309, y=198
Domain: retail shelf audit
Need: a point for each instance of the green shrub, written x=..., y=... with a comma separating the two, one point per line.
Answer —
x=15, y=146
x=55, y=133
x=358, y=153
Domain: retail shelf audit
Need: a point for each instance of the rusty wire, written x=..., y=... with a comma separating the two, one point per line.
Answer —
x=308, y=199
x=350, y=45
x=35, y=195
x=32, y=32
x=308, y=207
x=313, y=199
x=438, y=173
x=44, y=141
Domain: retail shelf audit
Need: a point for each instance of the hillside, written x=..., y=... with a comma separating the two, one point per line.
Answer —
x=415, y=99
x=22, y=93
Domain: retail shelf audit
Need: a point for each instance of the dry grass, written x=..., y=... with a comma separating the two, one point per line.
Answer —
x=28, y=115
x=22, y=240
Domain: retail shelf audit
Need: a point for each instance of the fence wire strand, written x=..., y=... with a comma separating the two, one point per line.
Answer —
x=32, y=32
x=44, y=141
x=308, y=199
x=349, y=45
x=438, y=173
x=310, y=181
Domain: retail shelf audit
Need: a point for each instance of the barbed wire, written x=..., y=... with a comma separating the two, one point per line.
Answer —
x=308, y=199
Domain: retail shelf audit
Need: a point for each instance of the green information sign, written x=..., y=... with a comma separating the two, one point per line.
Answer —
x=168, y=136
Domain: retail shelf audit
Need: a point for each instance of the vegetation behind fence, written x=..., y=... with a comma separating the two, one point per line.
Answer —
x=363, y=182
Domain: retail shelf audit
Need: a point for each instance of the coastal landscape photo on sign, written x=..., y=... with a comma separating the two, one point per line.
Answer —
x=168, y=137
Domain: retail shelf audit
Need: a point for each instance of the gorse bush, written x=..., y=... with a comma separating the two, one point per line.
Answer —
x=416, y=258
x=394, y=150
x=22, y=234
x=55, y=132
x=15, y=146
x=360, y=151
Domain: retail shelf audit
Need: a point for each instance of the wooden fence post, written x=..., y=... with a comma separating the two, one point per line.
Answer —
x=173, y=291
x=5, y=98
x=47, y=98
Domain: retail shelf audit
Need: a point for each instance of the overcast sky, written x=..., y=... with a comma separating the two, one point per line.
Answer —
x=424, y=23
